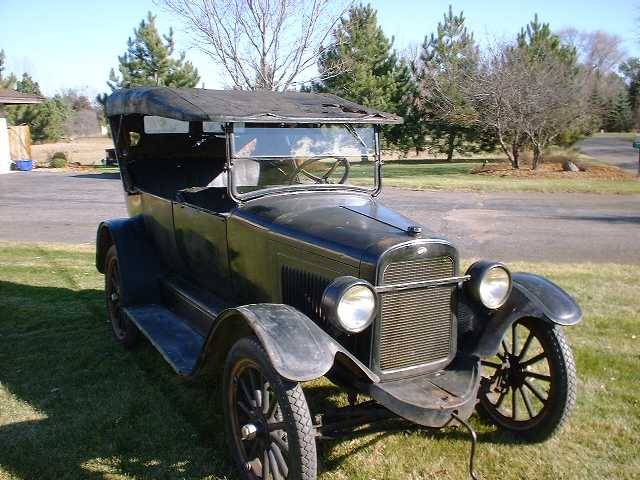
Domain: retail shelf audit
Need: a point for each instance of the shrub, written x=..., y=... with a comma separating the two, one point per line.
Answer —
x=58, y=160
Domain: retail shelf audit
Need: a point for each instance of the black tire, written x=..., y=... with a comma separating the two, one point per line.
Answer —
x=536, y=374
x=249, y=379
x=125, y=332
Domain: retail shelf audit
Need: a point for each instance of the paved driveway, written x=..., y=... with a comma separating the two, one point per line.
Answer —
x=617, y=151
x=67, y=207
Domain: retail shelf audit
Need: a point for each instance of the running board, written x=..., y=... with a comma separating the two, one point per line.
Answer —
x=178, y=343
x=198, y=307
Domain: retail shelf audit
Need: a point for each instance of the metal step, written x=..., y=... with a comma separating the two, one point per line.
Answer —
x=178, y=343
x=198, y=307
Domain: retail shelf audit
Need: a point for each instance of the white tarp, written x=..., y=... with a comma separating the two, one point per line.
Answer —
x=5, y=159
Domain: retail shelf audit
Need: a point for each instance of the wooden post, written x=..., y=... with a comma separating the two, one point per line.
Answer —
x=20, y=142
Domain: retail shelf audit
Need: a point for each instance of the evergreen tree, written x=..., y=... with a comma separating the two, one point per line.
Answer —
x=7, y=82
x=362, y=66
x=447, y=60
x=620, y=116
x=149, y=61
x=537, y=40
x=540, y=51
x=598, y=106
x=46, y=120
x=631, y=72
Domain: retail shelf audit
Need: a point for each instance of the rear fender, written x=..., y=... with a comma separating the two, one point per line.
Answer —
x=532, y=297
x=299, y=349
x=139, y=264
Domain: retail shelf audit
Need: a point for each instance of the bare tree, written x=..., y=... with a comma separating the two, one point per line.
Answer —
x=553, y=102
x=527, y=100
x=261, y=44
x=496, y=93
x=598, y=50
x=600, y=54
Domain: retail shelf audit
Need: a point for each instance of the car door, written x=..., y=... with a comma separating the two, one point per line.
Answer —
x=158, y=220
x=201, y=238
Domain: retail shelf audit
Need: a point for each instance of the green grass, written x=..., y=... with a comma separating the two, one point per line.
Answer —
x=73, y=404
x=101, y=168
x=458, y=176
x=626, y=135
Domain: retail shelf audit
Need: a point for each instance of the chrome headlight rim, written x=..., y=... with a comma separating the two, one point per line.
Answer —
x=479, y=272
x=333, y=296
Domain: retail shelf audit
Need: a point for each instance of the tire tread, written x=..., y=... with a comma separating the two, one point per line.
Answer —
x=294, y=408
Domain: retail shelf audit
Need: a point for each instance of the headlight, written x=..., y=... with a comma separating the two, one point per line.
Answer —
x=349, y=304
x=490, y=283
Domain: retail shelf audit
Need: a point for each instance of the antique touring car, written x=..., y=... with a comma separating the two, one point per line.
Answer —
x=256, y=249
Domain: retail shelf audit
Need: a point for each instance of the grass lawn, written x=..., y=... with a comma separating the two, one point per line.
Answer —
x=622, y=135
x=458, y=176
x=73, y=404
x=416, y=175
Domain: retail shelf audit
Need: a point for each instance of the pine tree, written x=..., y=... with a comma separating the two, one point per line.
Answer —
x=538, y=41
x=362, y=66
x=46, y=120
x=631, y=72
x=538, y=49
x=149, y=61
x=6, y=82
x=620, y=116
x=447, y=60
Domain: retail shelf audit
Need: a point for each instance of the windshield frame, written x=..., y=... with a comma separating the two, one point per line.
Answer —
x=280, y=189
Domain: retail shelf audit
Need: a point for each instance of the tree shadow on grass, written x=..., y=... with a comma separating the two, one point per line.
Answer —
x=74, y=404
x=324, y=397
x=77, y=405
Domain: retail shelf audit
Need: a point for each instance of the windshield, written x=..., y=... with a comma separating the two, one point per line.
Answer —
x=324, y=156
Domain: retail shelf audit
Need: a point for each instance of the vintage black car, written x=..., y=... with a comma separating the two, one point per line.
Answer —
x=256, y=250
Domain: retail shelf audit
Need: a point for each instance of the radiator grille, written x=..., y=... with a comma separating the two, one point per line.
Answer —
x=303, y=290
x=416, y=326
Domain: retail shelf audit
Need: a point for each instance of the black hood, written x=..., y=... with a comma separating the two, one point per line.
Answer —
x=350, y=226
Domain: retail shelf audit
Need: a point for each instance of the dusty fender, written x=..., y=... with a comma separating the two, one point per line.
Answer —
x=139, y=264
x=298, y=348
x=534, y=297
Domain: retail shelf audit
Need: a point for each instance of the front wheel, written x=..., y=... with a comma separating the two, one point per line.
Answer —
x=267, y=419
x=529, y=386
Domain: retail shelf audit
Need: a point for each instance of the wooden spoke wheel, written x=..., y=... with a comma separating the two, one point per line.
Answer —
x=123, y=330
x=267, y=418
x=528, y=387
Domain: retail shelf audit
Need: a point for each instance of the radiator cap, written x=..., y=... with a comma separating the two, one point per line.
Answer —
x=414, y=230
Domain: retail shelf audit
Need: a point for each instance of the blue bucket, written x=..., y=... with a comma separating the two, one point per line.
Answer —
x=24, y=165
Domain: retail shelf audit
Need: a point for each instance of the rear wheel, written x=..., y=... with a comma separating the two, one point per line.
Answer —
x=529, y=386
x=267, y=419
x=125, y=332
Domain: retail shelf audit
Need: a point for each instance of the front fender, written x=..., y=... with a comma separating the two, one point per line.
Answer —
x=139, y=264
x=532, y=296
x=299, y=349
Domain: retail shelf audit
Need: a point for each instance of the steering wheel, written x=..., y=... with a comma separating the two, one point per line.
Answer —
x=324, y=178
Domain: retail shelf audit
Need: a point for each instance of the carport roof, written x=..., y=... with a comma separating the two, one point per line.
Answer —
x=11, y=97
x=198, y=104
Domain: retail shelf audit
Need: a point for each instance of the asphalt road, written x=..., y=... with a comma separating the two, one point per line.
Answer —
x=617, y=151
x=66, y=208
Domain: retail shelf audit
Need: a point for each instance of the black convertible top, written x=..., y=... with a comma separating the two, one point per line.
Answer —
x=199, y=104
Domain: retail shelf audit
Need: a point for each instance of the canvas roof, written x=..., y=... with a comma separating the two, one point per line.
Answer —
x=198, y=104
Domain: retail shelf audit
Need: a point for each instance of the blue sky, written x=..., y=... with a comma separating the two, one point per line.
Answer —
x=74, y=43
